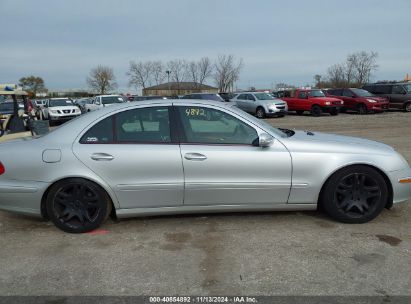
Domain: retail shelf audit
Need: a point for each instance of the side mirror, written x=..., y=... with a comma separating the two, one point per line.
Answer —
x=265, y=140
x=97, y=103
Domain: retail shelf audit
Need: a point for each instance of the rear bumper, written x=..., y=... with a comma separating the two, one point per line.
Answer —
x=401, y=191
x=22, y=196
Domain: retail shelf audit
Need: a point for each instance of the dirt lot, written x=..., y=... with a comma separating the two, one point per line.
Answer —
x=299, y=253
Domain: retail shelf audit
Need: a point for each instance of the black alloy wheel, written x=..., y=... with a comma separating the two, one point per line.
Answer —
x=362, y=109
x=77, y=205
x=355, y=195
x=407, y=107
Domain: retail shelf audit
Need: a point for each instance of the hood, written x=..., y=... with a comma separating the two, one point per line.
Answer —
x=325, y=142
x=272, y=101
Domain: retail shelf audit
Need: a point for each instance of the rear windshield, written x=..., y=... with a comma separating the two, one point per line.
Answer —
x=112, y=99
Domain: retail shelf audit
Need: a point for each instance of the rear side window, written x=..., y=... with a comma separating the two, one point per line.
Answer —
x=379, y=89
x=398, y=89
x=242, y=97
x=145, y=125
x=302, y=95
x=336, y=92
x=100, y=133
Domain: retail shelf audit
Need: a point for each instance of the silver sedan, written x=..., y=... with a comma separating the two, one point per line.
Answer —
x=186, y=156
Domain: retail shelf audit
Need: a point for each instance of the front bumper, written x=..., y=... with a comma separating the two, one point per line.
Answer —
x=63, y=117
x=378, y=107
x=401, y=191
x=275, y=111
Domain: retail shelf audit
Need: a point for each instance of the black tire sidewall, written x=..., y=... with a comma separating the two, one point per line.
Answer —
x=104, y=204
x=316, y=110
x=262, y=111
x=327, y=195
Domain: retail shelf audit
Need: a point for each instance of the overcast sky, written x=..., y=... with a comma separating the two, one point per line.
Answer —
x=279, y=41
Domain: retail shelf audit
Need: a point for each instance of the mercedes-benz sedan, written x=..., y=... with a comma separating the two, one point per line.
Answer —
x=167, y=156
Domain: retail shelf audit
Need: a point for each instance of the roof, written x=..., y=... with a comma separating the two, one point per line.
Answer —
x=181, y=86
x=11, y=89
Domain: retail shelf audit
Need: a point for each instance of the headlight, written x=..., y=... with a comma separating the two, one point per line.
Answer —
x=371, y=100
x=53, y=111
x=327, y=103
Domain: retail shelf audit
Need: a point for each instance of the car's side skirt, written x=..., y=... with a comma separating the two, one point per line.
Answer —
x=134, y=212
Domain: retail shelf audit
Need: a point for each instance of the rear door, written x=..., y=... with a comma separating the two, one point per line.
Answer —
x=398, y=96
x=136, y=152
x=221, y=164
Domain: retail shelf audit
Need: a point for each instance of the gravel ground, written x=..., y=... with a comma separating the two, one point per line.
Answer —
x=282, y=253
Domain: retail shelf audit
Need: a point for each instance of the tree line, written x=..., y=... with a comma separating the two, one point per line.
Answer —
x=354, y=72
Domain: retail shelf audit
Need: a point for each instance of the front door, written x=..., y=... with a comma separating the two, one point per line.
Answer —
x=135, y=153
x=222, y=164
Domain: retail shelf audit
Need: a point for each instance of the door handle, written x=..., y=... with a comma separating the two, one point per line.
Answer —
x=101, y=156
x=195, y=156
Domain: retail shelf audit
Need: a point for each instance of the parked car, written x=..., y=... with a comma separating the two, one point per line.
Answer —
x=103, y=101
x=81, y=103
x=59, y=110
x=260, y=104
x=204, y=96
x=359, y=100
x=312, y=100
x=130, y=159
x=227, y=96
x=151, y=97
x=398, y=94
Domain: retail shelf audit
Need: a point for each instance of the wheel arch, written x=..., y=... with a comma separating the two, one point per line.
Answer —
x=113, y=200
x=389, y=202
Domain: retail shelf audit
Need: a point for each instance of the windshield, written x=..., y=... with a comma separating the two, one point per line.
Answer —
x=60, y=103
x=112, y=99
x=362, y=93
x=264, y=96
x=316, y=93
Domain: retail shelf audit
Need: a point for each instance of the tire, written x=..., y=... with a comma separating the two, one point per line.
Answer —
x=260, y=113
x=355, y=194
x=316, y=110
x=362, y=109
x=407, y=107
x=299, y=112
x=334, y=112
x=76, y=205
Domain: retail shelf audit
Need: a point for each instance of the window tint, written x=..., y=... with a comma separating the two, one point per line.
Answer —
x=242, y=97
x=348, y=93
x=211, y=126
x=335, y=92
x=379, y=89
x=302, y=95
x=398, y=89
x=143, y=125
x=100, y=133
x=250, y=97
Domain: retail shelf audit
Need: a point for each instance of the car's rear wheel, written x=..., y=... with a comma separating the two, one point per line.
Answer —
x=260, y=113
x=362, y=109
x=299, y=112
x=77, y=205
x=316, y=110
x=355, y=194
x=407, y=107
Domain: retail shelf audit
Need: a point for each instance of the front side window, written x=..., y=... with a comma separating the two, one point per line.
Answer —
x=151, y=125
x=397, y=89
x=302, y=95
x=211, y=126
x=348, y=93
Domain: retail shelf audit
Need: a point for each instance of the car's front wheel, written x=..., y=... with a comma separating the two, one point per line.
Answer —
x=355, y=194
x=77, y=205
x=316, y=110
x=260, y=113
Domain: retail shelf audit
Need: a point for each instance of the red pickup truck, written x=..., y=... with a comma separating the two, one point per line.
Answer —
x=312, y=100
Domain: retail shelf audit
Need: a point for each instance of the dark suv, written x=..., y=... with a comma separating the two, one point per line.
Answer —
x=359, y=100
x=398, y=94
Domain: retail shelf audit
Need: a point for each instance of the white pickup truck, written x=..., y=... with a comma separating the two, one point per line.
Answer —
x=103, y=101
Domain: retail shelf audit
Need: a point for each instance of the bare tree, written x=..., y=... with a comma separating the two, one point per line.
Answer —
x=102, y=79
x=336, y=75
x=227, y=72
x=178, y=69
x=140, y=74
x=158, y=72
x=205, y=69
x=317, y=79
x=364, y=64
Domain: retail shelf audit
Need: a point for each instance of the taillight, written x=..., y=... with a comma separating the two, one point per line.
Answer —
x=2, y=169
